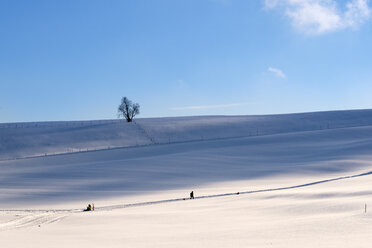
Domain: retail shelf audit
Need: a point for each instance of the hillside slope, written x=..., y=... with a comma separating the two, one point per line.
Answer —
x=299, y=183
x=127, y=172
x=19, y=140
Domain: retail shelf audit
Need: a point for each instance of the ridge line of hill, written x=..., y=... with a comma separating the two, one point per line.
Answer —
x=42, y=139
x=167, y=143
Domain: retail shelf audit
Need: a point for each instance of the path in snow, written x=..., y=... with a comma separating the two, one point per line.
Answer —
x=29, y=218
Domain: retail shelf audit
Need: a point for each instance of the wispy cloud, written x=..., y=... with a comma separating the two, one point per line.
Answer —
x=277, y=72
x=208, y=106
x=222, y=1
x=322, y=16
x=181, y=83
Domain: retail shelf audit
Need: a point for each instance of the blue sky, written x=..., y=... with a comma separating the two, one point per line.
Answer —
x=74, y=60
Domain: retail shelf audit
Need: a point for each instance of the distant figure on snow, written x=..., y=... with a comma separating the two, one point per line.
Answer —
x=89, y=208
x=192, y=195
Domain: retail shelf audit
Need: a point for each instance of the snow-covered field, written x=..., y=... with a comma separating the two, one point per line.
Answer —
x=304, y=180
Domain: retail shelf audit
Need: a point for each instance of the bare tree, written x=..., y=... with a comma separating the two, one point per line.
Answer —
x=128, y=109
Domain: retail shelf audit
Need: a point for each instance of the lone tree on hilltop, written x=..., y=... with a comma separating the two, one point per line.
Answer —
x=128, y=109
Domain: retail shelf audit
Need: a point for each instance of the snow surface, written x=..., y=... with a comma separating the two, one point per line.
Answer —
x=19, y=140
x=303, y=181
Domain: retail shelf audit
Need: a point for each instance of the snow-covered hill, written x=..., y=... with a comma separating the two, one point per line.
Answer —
x=176, y=153
x=19, y=140
x=303, y=180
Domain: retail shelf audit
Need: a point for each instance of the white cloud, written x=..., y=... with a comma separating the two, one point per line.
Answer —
x=357, y=12
x=322, y=16
x=277, y=72
x=208, y=106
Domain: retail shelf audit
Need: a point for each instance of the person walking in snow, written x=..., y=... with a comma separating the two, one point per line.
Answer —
x=192, y=195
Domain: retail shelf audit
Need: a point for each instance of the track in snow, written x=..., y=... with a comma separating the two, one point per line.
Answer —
x=25, y=219
x=231, y=194
x=29, y=218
